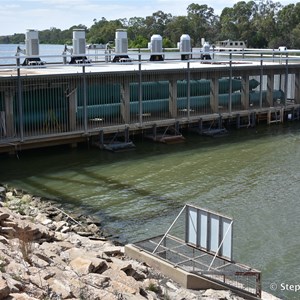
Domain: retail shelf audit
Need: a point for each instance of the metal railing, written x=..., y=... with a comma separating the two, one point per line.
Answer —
x=173, y=249
x=44, y=101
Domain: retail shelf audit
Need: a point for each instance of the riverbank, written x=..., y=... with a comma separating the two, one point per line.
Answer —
x=46, y=253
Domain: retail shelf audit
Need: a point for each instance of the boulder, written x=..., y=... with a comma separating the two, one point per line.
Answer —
x=39, y=278
x=59, y=225
x=61, y=287
x=4, y=288
x=81, y=265
x=65, y=265
x=99, y=265
x=22, y=296
x=96, y=280
x=120, y=282
x=43, y=219
x=4, y=215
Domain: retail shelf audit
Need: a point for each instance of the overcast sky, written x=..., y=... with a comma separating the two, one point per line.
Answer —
x=16, y=16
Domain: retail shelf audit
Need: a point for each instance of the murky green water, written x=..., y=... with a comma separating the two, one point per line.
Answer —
x=251, y=175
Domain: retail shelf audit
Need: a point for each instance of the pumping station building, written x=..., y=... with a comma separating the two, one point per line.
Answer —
x=90, y=94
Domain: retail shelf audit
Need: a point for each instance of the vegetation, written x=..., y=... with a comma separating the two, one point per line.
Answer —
x=261, y=23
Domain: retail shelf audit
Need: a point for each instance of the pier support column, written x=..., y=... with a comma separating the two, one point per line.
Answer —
x=214, y=95
x=173, y=98
x=245, y=92
x=72, y=109
x=270, y=89
x=125, y=101
x=9, y=114
x=297, y=88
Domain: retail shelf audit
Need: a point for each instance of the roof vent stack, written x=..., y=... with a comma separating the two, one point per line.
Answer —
x=205, y=49
x=185, y=46
x=155, y=47
x=78, y=53
x=121, y=46
x=32, y=48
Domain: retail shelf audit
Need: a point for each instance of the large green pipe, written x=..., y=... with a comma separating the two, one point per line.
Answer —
x=110, y=93
x=162, y=105
x=50, y=105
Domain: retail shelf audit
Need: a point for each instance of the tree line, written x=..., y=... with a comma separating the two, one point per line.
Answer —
x=261, y=24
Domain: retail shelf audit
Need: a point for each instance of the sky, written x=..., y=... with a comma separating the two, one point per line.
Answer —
x=16, y=16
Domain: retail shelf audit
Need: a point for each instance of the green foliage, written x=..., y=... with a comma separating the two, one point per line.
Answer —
x=261, y=23
x=17, y=38
x=167, y=43
x=139, y=42
x=103, y=31
x=153, y=287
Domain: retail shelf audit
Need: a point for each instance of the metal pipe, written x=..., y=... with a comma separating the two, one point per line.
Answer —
x=84, y=100
x=261, y=80
x=230, y=83
x=188, y=89
x=20, y=102
x=140, y=93
x=286, y=79
x=169, y=229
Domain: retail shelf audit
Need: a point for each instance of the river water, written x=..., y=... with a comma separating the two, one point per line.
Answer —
x=251, y=175
x=49, y=53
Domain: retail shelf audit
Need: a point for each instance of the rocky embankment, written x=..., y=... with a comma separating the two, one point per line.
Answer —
x=45, y=253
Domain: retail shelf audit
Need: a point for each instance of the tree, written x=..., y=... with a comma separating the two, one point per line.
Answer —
x=94, y=35
x=176, y=27
x=103, y=31
x=237, y=22
x=261, y=23
x=201, y=20
x=167, y=43
x=295, y=37
x=136, y=28
x=138, y=42
x=288, y=21
x=157, y=23
x=17, y=38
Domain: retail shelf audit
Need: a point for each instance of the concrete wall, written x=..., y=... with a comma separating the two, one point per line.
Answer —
x=185, y=279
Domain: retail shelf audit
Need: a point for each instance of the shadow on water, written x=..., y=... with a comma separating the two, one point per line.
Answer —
x=50, y=160
x=37, y=167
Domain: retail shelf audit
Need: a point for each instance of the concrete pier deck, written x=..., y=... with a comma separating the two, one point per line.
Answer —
x=65, y=104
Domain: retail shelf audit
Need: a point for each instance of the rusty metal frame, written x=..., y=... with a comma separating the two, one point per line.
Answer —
x=191, y=258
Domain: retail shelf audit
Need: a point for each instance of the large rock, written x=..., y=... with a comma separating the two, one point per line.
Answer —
x=16, y=268
x=65, y=265
x=43, y=219
x=4, y=289
x=96, y=280
x=73, y=253
x=22, y=296
x=40, y=277
x=15, y=286
x=81, y=265
x=4, y=215
x=61, y=286
x=120, y=282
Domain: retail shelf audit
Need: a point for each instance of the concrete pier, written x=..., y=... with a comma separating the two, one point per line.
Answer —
x=63, y=104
